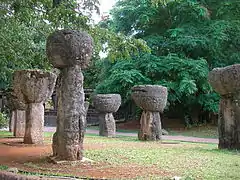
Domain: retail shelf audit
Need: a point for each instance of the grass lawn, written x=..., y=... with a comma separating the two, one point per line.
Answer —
x=149, y=160
x=200, y=131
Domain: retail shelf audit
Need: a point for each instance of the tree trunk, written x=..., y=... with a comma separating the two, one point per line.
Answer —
x=68, y=140
x=150, y=126
x=229, y=122
x=107, y=125
x=34, y=124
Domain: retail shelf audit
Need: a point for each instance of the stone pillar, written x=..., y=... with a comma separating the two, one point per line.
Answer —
x=106, y=104
x=152, y=99
x=34, y=87
x=69, y=51
x=226, y=81
x=86, y=106
x=17, y=119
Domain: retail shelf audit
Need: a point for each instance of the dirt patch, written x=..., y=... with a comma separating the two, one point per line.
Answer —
x=35, y=159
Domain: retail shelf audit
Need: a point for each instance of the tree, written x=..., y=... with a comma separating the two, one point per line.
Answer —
x=27, y=23
x=187, y=39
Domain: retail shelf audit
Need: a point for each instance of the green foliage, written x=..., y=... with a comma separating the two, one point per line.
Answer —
x=3, y=120
x=187, y=39
x=26, y=24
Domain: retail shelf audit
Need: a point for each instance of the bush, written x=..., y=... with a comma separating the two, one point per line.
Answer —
x=3, y=120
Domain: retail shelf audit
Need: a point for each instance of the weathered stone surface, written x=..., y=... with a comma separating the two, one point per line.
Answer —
x=17, y=119
x=70, y=51
x=226, y=81
x=107, y=103
x=69, y=48
x=34, y=124
x=70, y=116
x=86, y=106
x=150, y=97
x=107, y=125
x=20, y=123
x=150, y=126
x=229, y=122
x=33, y=87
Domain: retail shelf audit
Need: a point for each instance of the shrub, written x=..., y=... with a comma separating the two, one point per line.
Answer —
x=3, y=120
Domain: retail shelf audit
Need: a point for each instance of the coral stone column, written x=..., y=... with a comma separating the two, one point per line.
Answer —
x=152, y=99
x=106, y=104
x=70, y=51
x=34, y=87
x=18, y=118
x=226, y=81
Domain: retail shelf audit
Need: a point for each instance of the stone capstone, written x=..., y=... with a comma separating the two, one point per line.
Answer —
x=152, y=99
x=226, y=81
x=70, y=51
x=106, y=104
x=69, y=48
x=33, y=87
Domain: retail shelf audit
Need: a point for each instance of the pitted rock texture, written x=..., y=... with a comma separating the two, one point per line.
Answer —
x=86, y=106
x=107, y=103
x=34, y=124
x=14, y=102
x=71, y=115
x=69, y=48
x=150, y=126
x=150, y=97
x=107, y=125
x=225, y=80
x=70, y=51
x=20, y=123
x=33, y=87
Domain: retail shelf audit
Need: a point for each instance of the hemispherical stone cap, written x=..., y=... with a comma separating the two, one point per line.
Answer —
x=150, y=97
x=108, y=103
x=33, y=86
x=225, y=80
x=69, y=48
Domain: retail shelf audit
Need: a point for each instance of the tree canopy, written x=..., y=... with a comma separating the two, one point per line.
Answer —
x=187, y=39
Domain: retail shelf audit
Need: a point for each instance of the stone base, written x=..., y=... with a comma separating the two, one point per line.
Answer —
x=150, y=129
x=107, y=125
x=34, y=124
x=19, y=125
x=12, y=121
x=229, y=123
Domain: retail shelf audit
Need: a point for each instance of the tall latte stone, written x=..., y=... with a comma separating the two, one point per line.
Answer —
x=152, y=99
x=70, y=51
x=106, y=104
x=18, y=119
x=33, y=87
x=226, y=81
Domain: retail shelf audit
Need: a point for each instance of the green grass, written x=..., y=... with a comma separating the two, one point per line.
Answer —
x=5, y=134
x=201, y=131
x=187, y=160
x=192, y=161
